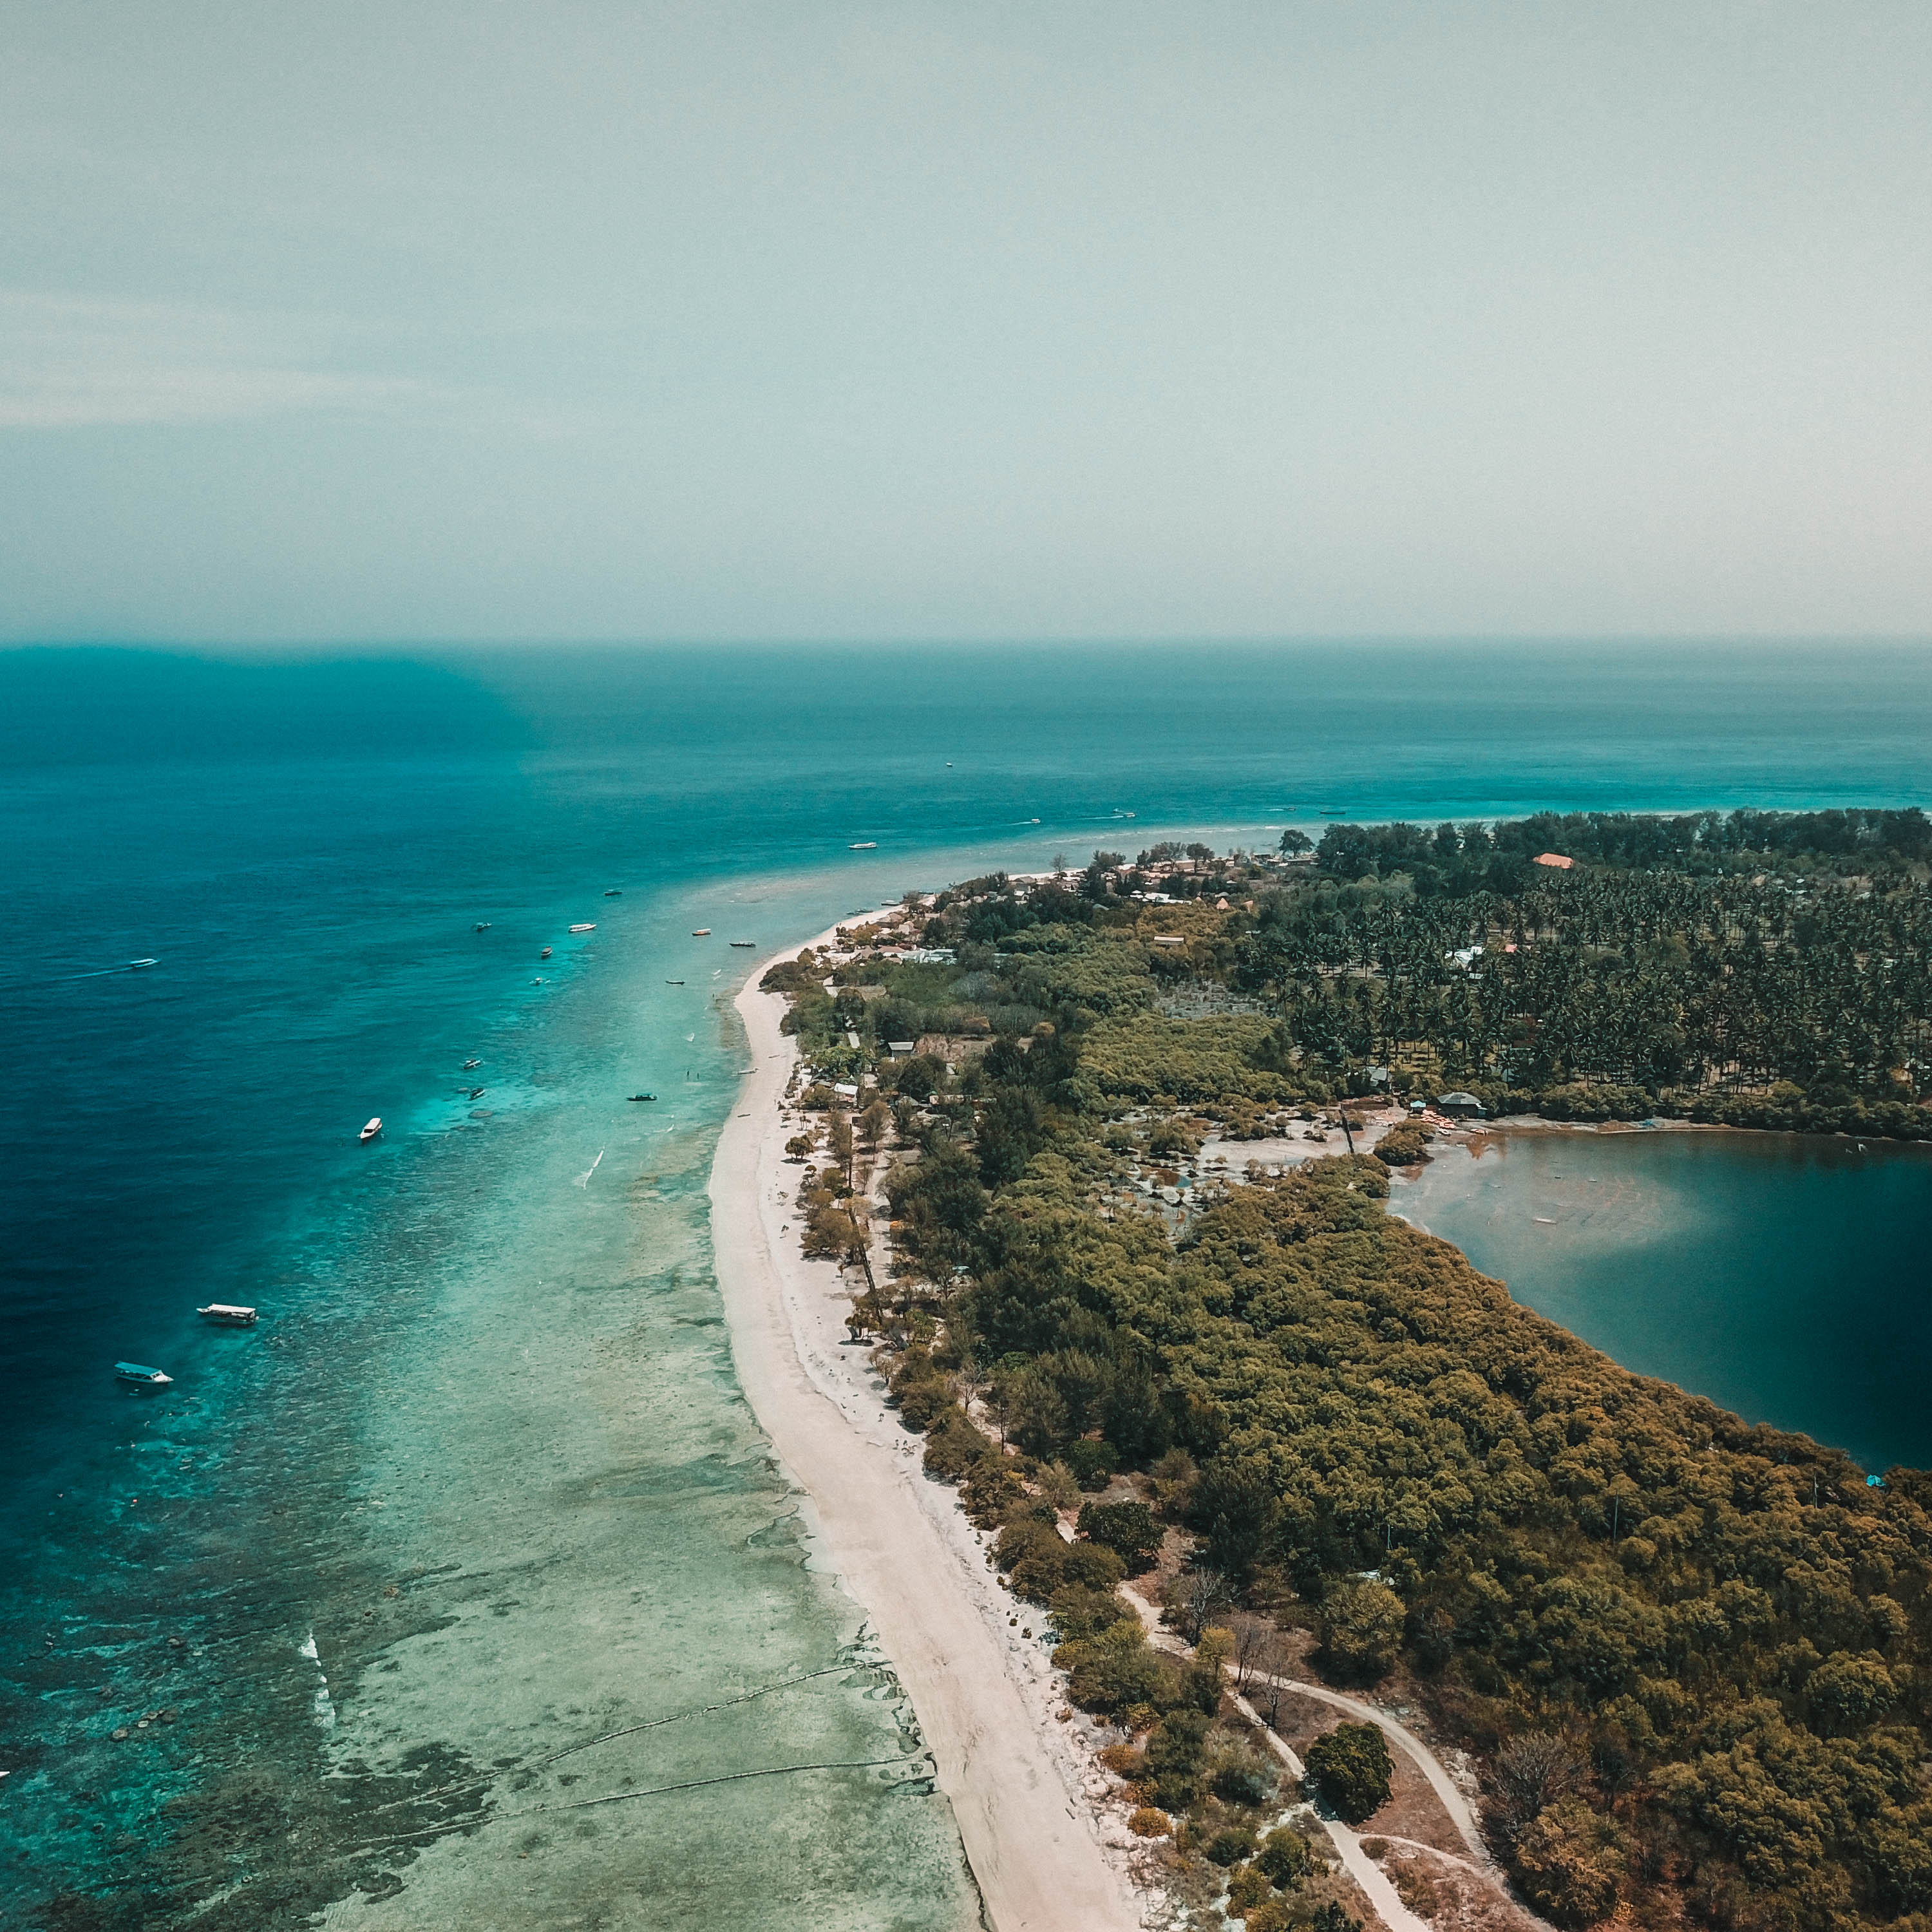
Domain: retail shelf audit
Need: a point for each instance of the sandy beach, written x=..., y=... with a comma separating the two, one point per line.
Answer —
x=1016, y=1772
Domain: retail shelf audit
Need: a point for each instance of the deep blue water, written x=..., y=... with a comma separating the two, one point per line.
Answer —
x=306, y=847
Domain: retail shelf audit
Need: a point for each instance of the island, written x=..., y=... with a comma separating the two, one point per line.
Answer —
x=1245, y=1552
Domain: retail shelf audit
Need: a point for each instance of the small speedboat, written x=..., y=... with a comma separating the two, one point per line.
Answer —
x=228, y=1314
x=141, y=965
x=700, y=932
x=482, y=925
x=591, y=928
x=613, y=891
x=141, y=1377
x=374, y=1128
x=673, y=982
x=477, y=1093
x=746, y=943
x=469, y=1064
x=643, y=1096
x=864, y=845
x=547, y=952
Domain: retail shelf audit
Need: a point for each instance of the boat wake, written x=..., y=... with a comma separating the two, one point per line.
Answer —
x=584, y=1179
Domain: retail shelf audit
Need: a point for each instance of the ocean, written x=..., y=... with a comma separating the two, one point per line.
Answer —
x=463, y=1589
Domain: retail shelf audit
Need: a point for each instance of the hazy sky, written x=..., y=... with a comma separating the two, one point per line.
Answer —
x=412, y=321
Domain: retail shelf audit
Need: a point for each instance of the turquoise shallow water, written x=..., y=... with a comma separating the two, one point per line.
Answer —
x=481, y=1489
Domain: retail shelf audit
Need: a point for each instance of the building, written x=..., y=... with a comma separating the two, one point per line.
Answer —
x=1554, y=860
x=1459, y=1106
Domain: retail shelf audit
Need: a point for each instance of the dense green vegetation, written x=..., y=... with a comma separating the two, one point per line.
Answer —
x=1766, y=970
x=1695, y=1656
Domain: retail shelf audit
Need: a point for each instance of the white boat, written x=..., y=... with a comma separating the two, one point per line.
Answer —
x=700, y=932
x=228, y=1314
x=141, y=1376
x=864, y=845
x=591, y=928
x=374, y=1128
x=141, y=965
x=469, y=1064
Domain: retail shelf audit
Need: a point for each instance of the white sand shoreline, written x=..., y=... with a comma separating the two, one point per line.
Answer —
x=986, y=1698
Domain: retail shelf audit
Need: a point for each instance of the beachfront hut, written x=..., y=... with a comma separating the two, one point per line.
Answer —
x=1459, y=1106
x=1555, y=860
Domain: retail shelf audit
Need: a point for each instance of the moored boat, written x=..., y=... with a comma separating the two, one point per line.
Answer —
x=700, y=932
x=228, y=1314
x=591, y=928
x=469, y=1064
x=864, y=845
x=547, y=952
x=141, y=1376
x=744, y=943
x=374, y=1128
x=643, y=1096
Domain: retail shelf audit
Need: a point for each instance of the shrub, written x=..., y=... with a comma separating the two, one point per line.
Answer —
x=991, y=1489
x=954, y=1448
x=1117, y=1671
x=1129, y=1529
x=1147, y=1822
x=1351, y=1769
x=1174, y=1753
x=1570, y=1863
x=1849, y=1690
x=922, y=1403
x=1092, y=1462
x=1404, y=1146
x=1078, y=1612
x=1238, y=1773
x=1272, y=1915
x=1246, y=1889
x=1229, y=1846
x=1361, y=1630
x=1286, y=1857
x=1124, y=1761
x=1090, y=1565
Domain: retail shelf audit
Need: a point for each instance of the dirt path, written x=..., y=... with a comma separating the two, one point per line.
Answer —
x=1426, y=1761
x=909, y=1558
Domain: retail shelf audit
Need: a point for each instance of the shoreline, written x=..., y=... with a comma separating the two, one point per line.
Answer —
x=986, y=1700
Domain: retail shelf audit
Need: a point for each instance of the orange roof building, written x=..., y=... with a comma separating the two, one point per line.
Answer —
x=1555, y=859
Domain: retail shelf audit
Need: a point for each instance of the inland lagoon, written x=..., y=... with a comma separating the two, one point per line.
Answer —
x=1784, y=1276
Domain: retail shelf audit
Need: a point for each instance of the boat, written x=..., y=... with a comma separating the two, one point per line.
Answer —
x=592, y=927
x=746, y=943
x=141, y=1377
x=546, y=953
x=482, y=925
x=613, y=891
x=141, y=965
x=228, y=1314
x=673, y=982
x=643, y=1096
x=700, y=932
x=477, y=1093
x=864, y=845
x=374, y=1128
x=468, y=1065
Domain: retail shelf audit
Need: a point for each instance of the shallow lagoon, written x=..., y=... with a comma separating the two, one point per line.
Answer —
x=1786, y=1276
